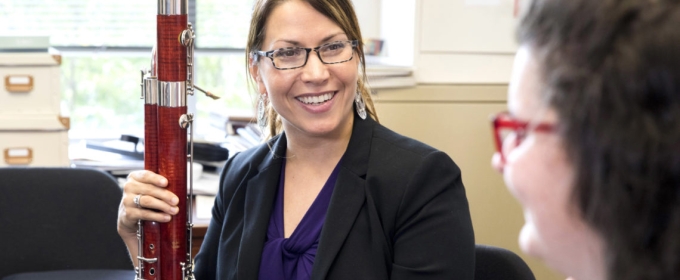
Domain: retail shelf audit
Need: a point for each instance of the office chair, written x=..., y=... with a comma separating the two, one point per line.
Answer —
x=60, y=223
x=494, y=263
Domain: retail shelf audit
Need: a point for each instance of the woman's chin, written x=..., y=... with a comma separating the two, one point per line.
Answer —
x=531, y=244
x=527, y=240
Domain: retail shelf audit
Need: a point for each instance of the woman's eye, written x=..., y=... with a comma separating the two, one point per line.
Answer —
x=287, y=53
x=520, y=135
x=334, y=46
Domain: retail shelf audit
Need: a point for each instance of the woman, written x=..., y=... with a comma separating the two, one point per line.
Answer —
x=333, y=194
x=593, y=154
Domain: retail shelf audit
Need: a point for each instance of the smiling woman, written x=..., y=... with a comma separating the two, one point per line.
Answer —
x=332, y=194
x=288, y=26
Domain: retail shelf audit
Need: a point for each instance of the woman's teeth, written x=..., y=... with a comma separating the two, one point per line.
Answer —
x=312, y=100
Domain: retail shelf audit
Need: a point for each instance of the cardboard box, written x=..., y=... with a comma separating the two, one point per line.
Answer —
x=30, y=84
x=34, y=141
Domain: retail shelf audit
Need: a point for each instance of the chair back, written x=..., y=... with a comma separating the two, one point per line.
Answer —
x=59, y=219
x=494, y=263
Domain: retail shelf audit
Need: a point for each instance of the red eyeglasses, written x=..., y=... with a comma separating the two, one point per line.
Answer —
x=505, y=125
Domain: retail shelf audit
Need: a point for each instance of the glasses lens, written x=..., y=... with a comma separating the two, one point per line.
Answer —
x=508, y=138
x=289, y=58
x=336, y=52
x=504, y=134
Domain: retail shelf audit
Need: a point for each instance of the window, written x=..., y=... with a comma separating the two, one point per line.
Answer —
x=105, y=44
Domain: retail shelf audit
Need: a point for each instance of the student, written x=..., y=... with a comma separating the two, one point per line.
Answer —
x=333, y=194
x=593, y=152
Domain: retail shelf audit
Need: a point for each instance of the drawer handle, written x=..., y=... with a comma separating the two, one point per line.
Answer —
x=18, y=156
x=19, y=83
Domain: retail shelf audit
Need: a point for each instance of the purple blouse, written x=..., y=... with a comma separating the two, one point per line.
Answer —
x=292, y=258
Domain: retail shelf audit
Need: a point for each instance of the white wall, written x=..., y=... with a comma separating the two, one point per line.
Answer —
x=368, y=12
x=445, y=41
x=392, y=21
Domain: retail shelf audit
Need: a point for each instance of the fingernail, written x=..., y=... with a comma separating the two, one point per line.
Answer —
x=175, y=210
x=166, y=218
x=163, y=181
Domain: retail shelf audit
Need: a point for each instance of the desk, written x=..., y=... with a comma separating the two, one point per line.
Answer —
x=207, y=184
x=200, y=227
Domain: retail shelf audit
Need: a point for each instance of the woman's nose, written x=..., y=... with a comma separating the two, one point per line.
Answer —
x=315, y=70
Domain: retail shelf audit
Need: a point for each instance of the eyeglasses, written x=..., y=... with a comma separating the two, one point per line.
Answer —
x=506, y=126
x=296, y=57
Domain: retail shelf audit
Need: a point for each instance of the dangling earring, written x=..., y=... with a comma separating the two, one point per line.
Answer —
x=261, y=113
x=360, y=105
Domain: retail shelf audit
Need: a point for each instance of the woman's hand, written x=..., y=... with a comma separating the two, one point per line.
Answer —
x=155, y=203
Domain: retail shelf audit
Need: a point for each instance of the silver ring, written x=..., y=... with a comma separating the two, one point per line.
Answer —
x=136, y=200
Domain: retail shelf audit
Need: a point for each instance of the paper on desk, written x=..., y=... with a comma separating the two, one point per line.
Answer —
x=206, y=184
x=204, y=205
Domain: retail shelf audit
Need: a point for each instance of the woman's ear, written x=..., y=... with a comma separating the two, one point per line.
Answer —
x=255, y=73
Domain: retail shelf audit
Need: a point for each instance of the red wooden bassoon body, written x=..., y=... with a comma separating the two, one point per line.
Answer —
x=172, y=139
x=164, y=252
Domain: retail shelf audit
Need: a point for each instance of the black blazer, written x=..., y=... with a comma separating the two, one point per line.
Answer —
x=398, y=211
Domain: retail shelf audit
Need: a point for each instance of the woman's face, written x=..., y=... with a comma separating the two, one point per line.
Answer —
x=538, y=174
x=316, y=99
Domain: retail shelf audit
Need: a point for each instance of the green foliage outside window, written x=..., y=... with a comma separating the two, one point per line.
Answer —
x=101, y=87
x=102, y=93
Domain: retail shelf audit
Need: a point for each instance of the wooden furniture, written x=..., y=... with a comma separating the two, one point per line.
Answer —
x=200, y=227
x=199, y=230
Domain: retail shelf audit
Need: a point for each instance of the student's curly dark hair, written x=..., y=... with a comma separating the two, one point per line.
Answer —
x=611, y=69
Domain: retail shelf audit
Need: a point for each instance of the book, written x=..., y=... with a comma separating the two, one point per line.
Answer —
x=24, y=43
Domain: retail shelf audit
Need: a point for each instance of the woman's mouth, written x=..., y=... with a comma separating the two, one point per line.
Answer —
x=316, y=100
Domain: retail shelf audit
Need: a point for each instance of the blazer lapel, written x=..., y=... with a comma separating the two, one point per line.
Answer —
x=347, y=199
x=259, y=200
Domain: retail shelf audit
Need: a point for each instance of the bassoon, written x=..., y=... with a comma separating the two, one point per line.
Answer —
x=164, y=251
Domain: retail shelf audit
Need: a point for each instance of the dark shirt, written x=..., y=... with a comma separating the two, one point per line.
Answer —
x=292, y=258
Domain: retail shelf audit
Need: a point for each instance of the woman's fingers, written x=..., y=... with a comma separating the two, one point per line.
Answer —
x=148, y=183
x=148, y=177
x=145, y=198
x=150, y=215
x=129, y=213
x=151, y=202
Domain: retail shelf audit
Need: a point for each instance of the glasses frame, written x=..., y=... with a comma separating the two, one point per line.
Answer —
x=270, y=54
x=504, y=120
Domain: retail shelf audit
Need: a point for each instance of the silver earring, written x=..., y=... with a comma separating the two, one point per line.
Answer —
x=261, y=116
x=360, y=105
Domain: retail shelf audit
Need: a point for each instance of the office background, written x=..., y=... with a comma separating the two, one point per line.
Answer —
x=443, y=70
